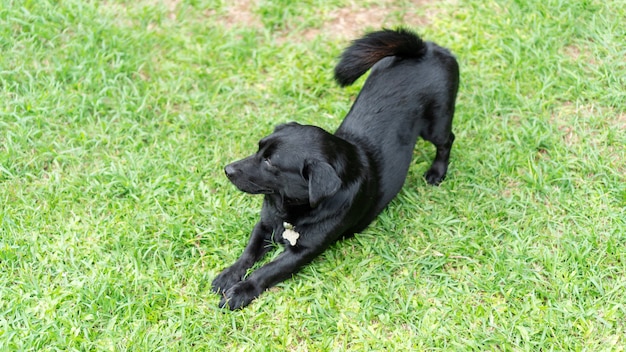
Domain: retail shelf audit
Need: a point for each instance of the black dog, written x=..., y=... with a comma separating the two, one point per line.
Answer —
x=321, y=187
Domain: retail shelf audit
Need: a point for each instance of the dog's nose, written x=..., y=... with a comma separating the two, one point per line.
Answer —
x=230, y=170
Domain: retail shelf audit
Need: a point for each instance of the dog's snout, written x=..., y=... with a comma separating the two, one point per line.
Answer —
x=230, y=170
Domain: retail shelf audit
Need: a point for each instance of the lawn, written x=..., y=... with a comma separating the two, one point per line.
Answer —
x=117, y=117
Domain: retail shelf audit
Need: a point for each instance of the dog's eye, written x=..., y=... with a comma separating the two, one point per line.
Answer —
x=267, y=161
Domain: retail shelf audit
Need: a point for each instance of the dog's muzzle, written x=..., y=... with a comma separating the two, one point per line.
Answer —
x=231, y=171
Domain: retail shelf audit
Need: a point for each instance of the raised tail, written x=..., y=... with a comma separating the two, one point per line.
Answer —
x=365, y=52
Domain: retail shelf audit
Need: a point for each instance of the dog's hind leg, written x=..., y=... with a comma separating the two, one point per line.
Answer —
x=439, y=167
x=439, y=117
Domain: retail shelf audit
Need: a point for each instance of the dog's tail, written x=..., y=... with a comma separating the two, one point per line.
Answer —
x=365, y=52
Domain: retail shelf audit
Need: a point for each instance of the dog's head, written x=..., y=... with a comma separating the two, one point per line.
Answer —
x=293, y=162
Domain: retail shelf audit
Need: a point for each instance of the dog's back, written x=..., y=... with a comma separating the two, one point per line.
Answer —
x=405, y=70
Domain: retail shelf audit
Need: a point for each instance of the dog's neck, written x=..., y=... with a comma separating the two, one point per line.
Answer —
x=288, y=209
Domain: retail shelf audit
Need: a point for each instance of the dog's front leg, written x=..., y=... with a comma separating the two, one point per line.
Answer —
x=283, y=267
x=258, y=245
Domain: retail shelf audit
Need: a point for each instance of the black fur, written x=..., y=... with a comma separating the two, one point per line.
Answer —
x=365, y=52
x=330, y=186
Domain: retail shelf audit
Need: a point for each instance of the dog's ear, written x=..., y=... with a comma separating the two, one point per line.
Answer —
x=283, y=125
x=323, y=181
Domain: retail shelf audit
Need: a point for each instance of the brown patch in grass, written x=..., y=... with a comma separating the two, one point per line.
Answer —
x=352, y=21
x=572, y=51
x=346, y=22
x=569, y=118
x=121, y=10
x=511, y=186
x=238, y=13
x=561, y=118
x=579, y=53
x=171, y=8
x=620, y=121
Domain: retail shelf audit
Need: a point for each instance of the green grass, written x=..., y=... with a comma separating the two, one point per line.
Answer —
x=117, y=117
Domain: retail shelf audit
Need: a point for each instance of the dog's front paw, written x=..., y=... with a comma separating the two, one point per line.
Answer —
x=226, y=279
x=240, y=295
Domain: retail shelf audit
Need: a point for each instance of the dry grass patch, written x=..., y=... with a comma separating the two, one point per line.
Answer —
x=122, y=10
x=345, y=22
x=584, y=126
x=579, y=52
x=353, y=20
x=239, y=13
